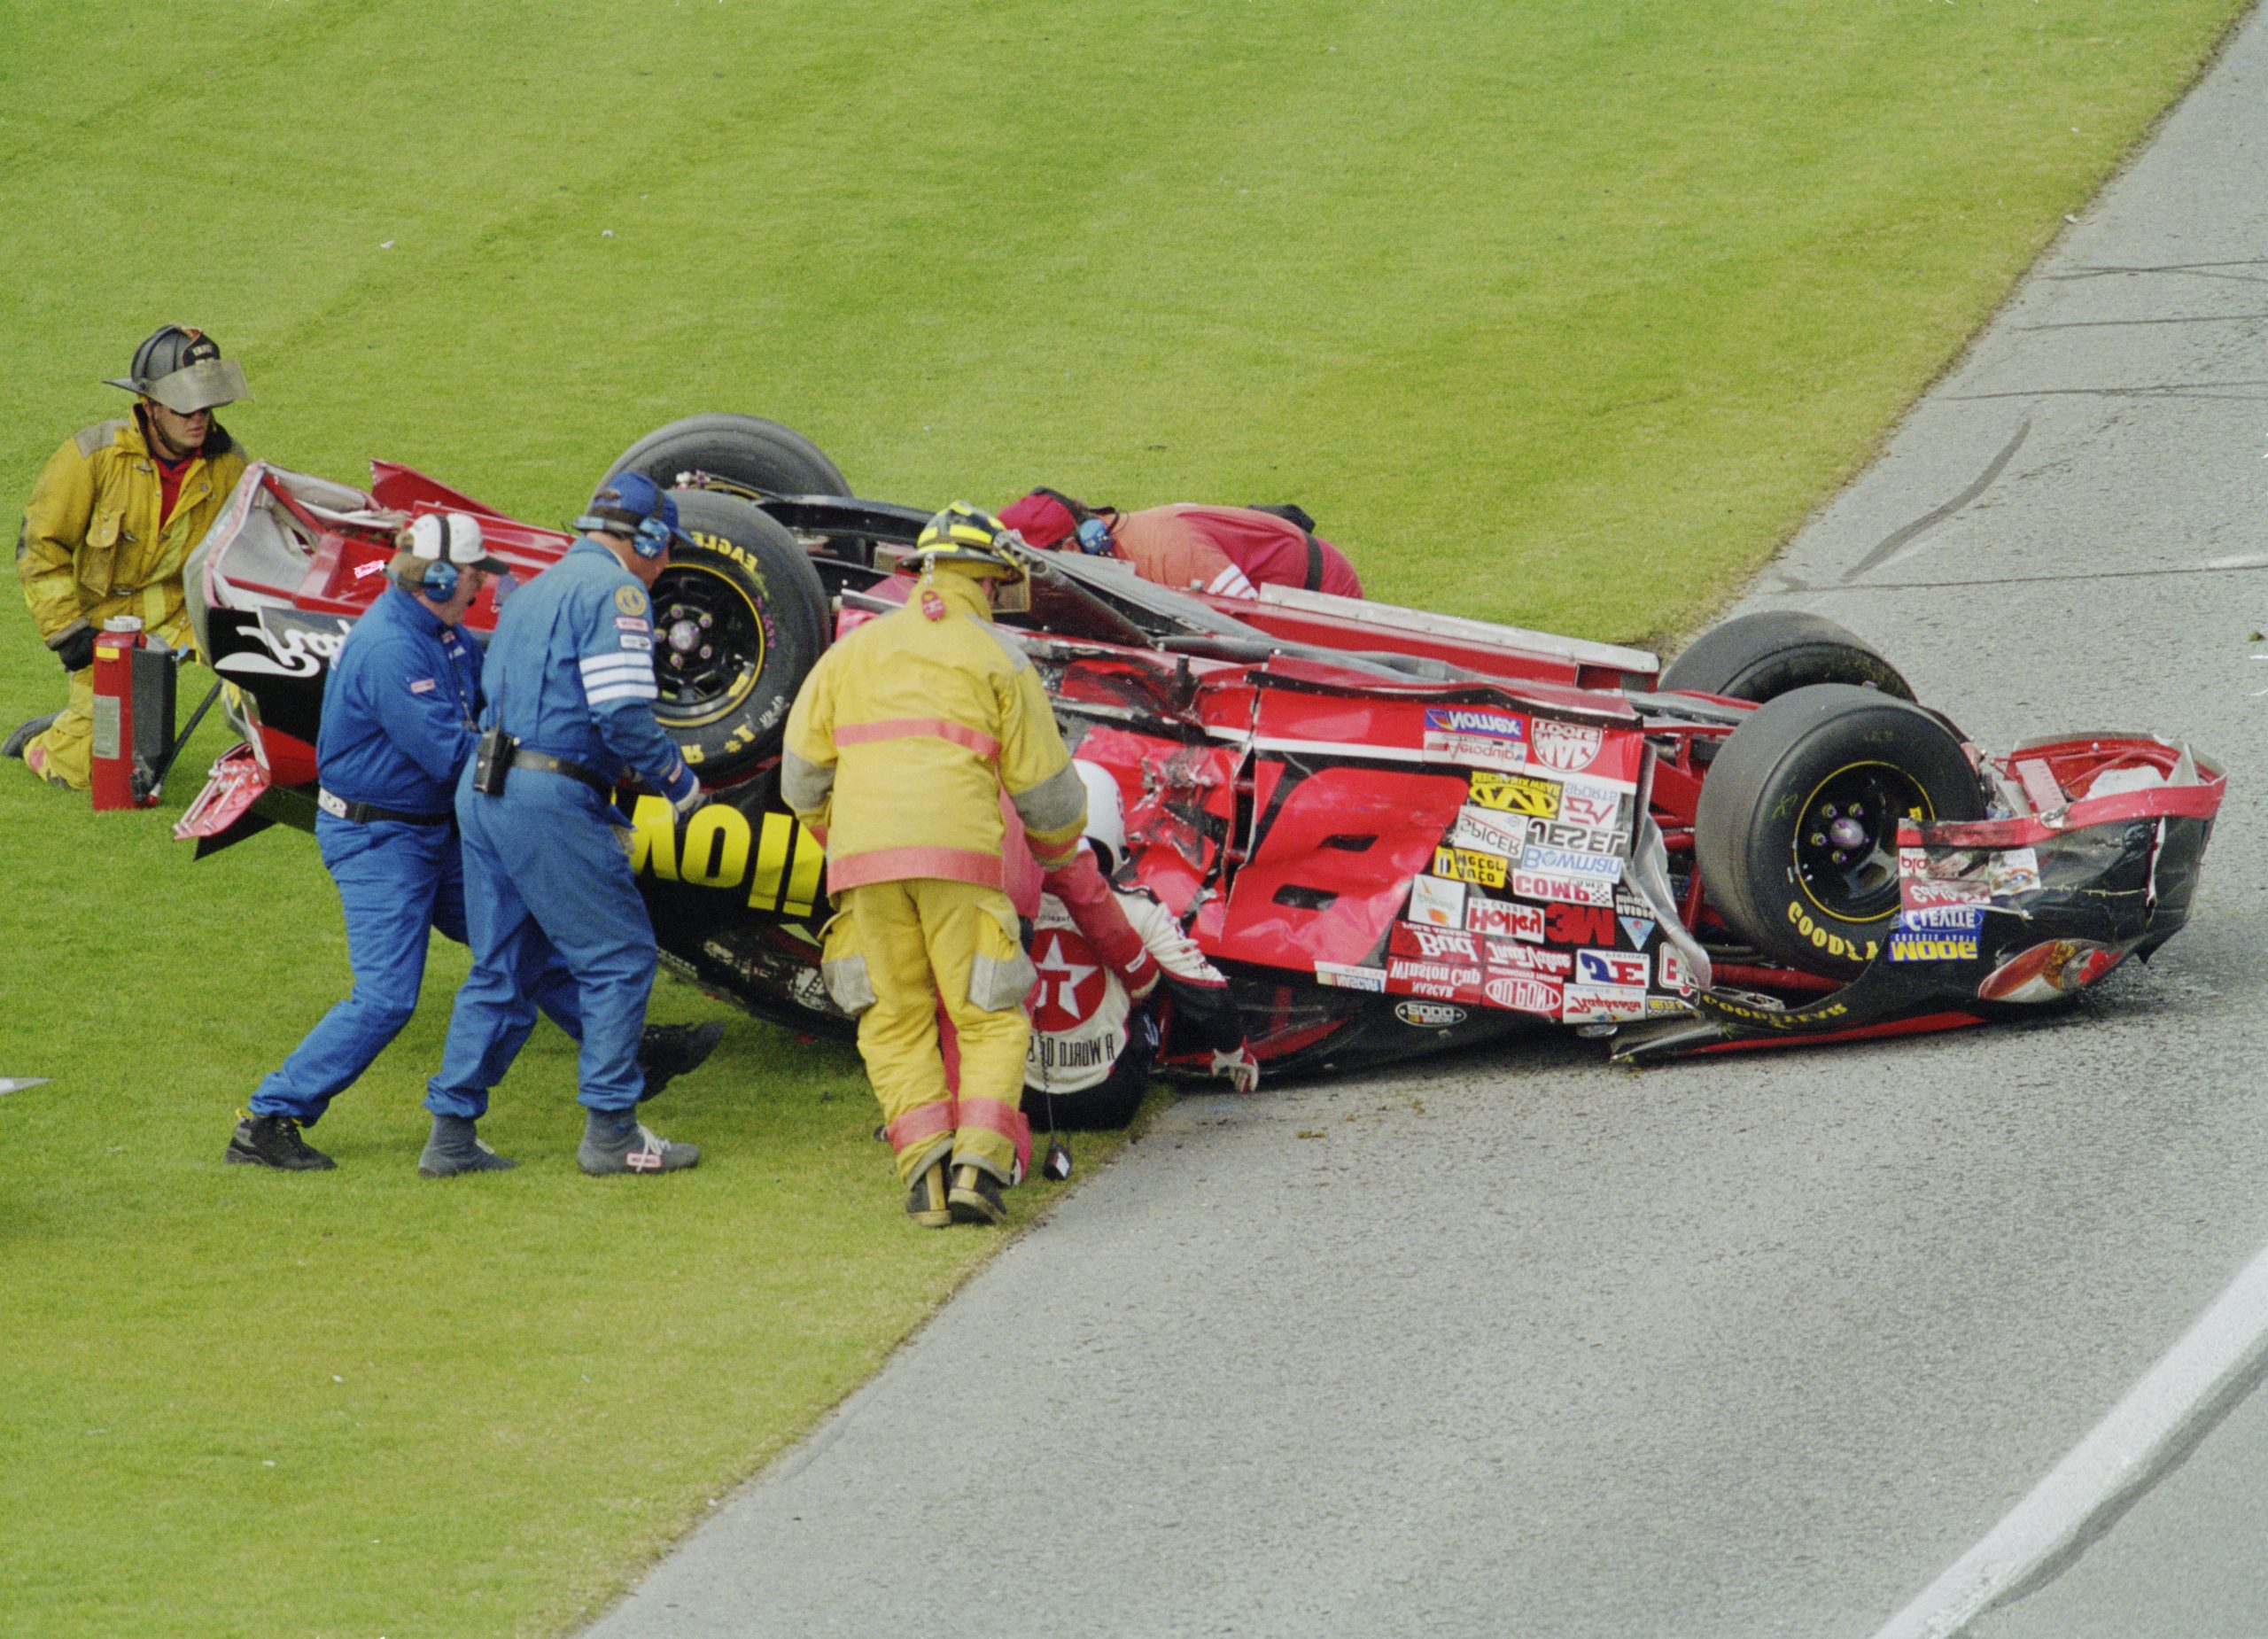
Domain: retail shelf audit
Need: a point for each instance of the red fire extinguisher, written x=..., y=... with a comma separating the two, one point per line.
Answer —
x=134, y=715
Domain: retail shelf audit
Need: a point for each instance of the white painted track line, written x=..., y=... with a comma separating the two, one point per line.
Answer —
x=2176, y=1405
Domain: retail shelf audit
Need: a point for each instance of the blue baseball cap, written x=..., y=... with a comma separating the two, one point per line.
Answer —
x=631, y=504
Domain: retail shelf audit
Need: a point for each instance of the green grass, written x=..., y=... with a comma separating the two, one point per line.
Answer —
x=1555, y=312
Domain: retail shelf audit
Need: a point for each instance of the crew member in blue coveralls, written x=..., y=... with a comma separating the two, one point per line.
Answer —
x=398, y=723
x=571, y=704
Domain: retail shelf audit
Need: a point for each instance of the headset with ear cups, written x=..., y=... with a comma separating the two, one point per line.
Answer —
x=438, y=540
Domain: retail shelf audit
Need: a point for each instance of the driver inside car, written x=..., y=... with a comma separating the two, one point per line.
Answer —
x=1227, y=551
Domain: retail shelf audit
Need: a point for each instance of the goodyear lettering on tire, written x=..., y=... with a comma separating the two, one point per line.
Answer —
x=1828, y=940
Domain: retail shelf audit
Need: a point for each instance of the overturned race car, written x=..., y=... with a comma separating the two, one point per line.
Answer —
x=1394, y=832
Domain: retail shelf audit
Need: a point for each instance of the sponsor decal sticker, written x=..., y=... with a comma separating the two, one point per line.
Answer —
x=1512, y=954
x=1491, y=833
x=1614, y=968
x=1515, y=794
x=1429, y=1015
x=1638, y=928
x=1435, y=944
x=363, y=571
x=1469, y=864
x=1586, y=839
x=1920, y=893
x=423, y=685
x=1925, y=947
x=1657, y=1005
x=1434, y=900
x=1340, y=976
x=2046, y=971
x=1501, y=916
x=1585, y=1003
x=1579, y=924
x=637, y=643
x=1453, y=720
x=1490, y=739
x=1523, y=993
x=630, y=599
x=1671, y=968
x=1586, y=804
x=632, y=623
x=1570, y=747
x=1536, y=885
x=1942, y=917
x=1571, y=864
x=1447, y=981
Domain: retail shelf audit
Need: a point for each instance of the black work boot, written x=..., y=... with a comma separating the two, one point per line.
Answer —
x=976, y=1196
x=274, y=1141
x=618, y=1141
x=456, y=1147
x=668, y=1050
x=925, y=1202
x=26, y=732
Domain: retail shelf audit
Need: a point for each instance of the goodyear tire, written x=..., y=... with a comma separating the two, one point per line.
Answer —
x=1762, y=656
x=744, y=450
x=740, y=617
x=1797, y=832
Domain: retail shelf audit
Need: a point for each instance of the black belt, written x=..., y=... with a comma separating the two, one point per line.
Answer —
x=362, y=813
x=543, y=762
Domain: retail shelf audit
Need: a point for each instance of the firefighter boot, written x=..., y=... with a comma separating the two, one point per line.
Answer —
x=925, y=1202
x=668, y=1050
x=26, y=732
x=274, y=1141
x=455, y=1148
x=975, y=1197
x=618, y=1141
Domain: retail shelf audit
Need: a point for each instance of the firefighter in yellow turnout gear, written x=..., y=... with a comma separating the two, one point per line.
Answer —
x=111, y=522
x=898, y=749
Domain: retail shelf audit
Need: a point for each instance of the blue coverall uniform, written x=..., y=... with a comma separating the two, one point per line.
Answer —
x=397, y=720
x=570, y=675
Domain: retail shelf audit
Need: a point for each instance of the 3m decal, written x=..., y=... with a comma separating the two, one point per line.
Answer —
x=1500, y=916
x=1579, y=924
x=1535, y=885
x=1433, y=899
x=1522, y=993
x=1922, y=947
x=1515, y=794
x=715, y=851
x=1533, y=958
x=1429, y=1015
x=1581, y=1003
x=1570, y=863
x=1570, y=747
x=1340, y=976
x=1469, y=864
x=1434, y=944
x=1615, y=967
x=1638, y=930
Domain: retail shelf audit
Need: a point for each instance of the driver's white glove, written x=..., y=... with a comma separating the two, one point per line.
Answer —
x=1241, y=1068
x=695, y=798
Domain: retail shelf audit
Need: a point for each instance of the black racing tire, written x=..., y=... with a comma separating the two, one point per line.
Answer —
x=1763, y=655
x=727, y=684
x=1766, y=836
x=746, y=450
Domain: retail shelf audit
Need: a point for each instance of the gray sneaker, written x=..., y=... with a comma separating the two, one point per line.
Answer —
x=618, y=1141
x=453, y=1149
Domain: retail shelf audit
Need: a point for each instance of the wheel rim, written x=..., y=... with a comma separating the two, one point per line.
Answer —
x=708, y=644
x=1846, y=840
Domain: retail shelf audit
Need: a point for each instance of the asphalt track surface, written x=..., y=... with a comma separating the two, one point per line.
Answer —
x=1528, y=1344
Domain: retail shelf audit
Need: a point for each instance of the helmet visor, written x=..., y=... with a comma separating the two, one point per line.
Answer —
x=207, y=384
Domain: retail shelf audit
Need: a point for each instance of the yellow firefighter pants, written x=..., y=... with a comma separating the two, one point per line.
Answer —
x=63, y=752
x=893, y=952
